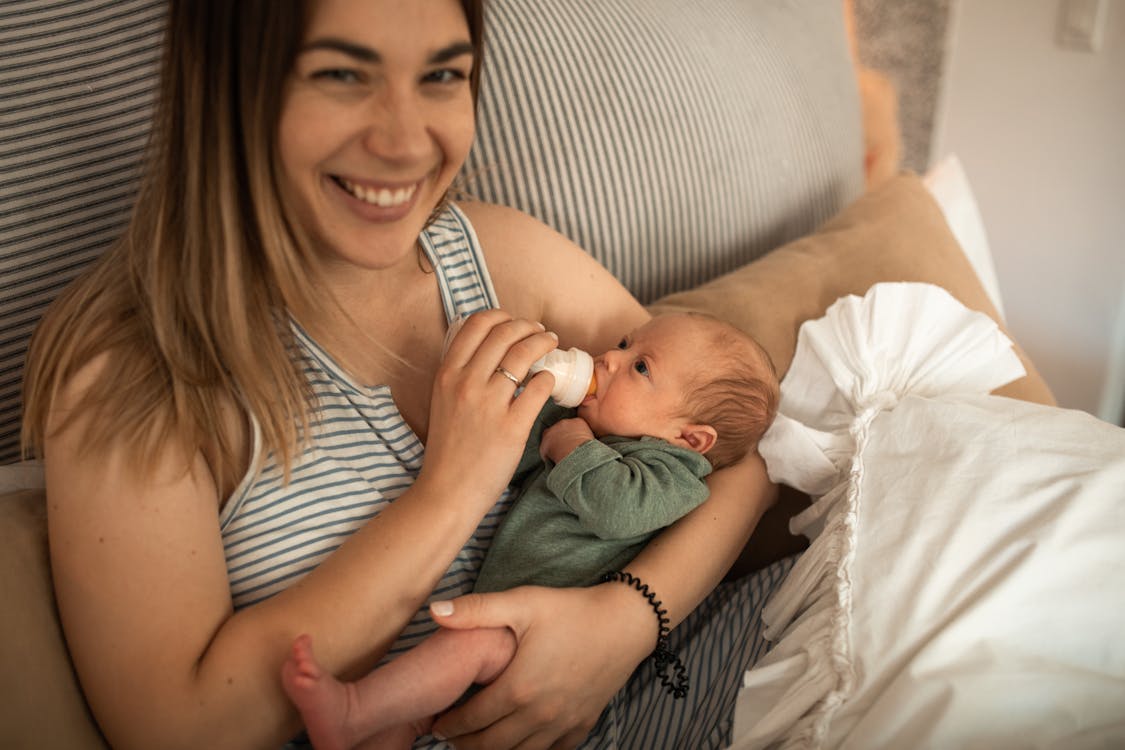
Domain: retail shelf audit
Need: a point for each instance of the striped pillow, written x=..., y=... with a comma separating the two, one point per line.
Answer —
x=76, y=79
x=673, y=140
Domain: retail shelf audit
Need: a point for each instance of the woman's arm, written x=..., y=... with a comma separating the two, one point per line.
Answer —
x=541, y=275
x=141, y=578
x=708, y=540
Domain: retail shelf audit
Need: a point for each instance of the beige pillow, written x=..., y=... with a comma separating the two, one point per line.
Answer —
x=41, y=705
x=895, y=233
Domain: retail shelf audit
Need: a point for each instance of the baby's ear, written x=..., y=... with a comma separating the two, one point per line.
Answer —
x=699, y=437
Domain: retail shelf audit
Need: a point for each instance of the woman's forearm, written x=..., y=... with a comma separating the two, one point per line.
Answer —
x=381, y=575
x=687, y=560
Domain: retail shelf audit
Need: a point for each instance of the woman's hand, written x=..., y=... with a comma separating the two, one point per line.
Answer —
x=576, y=649
x=478, y=426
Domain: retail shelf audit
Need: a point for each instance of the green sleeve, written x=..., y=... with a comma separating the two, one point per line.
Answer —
x=625, y=489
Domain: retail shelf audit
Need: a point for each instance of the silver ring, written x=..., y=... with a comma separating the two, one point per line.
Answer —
x=508, y=375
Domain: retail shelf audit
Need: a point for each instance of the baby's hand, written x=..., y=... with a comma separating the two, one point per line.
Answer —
x=563, y=437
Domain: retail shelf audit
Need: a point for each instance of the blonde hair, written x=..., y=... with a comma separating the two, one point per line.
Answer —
x=738, y=394
x=191, y=304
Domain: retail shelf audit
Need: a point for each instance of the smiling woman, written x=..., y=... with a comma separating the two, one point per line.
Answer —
x=247, y=395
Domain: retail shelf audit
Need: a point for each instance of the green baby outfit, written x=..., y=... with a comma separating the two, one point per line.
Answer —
x=593, y=511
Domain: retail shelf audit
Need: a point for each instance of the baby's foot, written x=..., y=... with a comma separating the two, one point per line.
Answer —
x=320, y=697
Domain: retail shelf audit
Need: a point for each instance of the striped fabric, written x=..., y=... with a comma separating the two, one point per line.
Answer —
x=673, y=140
x=717, y=643
x=363, y=456
x=75, y=97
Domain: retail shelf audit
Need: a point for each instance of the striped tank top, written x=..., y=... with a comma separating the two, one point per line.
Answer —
x=361, y=457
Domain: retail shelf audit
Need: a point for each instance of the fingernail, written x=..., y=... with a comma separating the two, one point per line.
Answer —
x=553, y=335
x=438, y=736
x=441, y=609
x=541, y=326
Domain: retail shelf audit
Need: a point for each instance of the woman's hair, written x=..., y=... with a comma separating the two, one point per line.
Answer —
x=738, y=395
x=191, y=303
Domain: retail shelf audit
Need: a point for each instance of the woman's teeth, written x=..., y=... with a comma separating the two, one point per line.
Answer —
x=383, y=197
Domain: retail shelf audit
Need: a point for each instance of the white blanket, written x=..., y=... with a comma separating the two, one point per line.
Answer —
x=965, y=583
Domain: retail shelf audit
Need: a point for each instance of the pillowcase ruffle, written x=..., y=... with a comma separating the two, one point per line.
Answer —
x=860, y=359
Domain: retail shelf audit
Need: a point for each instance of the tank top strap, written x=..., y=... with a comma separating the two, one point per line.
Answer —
x=452, y=247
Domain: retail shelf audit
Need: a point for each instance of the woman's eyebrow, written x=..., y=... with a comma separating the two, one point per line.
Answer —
x=358, y=51
x=445, y=54
x=369, y=55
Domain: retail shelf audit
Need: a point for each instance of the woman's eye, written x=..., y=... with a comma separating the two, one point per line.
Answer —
x=445, y=76
x=336, y=75
x=641, y=367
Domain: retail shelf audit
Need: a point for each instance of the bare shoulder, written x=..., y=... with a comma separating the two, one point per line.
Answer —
x=109, y=405
x=495, y=218
x=79, y=448
x=508, y=234
x=541, y=274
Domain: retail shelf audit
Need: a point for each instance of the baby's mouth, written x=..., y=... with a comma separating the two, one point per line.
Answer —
x=592, y=391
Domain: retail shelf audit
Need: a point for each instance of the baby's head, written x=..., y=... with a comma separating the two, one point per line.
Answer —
x=690, y=379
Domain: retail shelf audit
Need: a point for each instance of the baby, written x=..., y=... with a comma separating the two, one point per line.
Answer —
x=681, y=395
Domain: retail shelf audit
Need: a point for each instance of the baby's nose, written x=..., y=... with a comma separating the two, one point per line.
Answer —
x=612, y=359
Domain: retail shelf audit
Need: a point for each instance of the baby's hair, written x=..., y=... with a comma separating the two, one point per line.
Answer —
x=737, y=395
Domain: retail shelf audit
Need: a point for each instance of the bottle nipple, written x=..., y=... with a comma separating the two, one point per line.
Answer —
x=574, y=375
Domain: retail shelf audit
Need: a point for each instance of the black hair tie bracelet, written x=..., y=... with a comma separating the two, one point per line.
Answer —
x=676, y=681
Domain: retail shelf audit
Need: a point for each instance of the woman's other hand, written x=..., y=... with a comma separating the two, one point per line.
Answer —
x=478, y=425
x=576, y=649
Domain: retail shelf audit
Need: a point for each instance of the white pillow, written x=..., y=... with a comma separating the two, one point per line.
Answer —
x=949, y=185
x=965, y=583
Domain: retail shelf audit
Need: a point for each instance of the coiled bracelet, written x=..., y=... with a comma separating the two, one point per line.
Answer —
x=669, y=668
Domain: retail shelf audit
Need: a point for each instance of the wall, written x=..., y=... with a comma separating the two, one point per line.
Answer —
x=906, y=42
x=1041, y=132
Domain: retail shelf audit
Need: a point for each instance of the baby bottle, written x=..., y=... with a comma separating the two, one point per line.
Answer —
x=574, y=375
x=573, y=370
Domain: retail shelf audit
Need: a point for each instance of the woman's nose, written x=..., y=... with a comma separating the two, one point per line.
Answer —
x=397, y=131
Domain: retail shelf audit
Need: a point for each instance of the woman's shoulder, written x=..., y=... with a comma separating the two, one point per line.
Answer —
x=542, y=275
x=113, y=407
x=501, y=228
x=524, y=248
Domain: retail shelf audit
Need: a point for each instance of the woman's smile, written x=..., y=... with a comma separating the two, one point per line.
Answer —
x=376, y=201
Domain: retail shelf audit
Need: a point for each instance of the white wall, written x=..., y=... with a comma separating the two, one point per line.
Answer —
x=1041, y=132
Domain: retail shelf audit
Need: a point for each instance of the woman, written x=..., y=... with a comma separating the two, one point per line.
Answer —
x=229, y=401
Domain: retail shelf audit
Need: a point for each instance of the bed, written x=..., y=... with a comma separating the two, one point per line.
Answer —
x=962, y=582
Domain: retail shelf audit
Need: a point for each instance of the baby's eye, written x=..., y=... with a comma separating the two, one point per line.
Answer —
x=641, y=367
x=622, y=344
